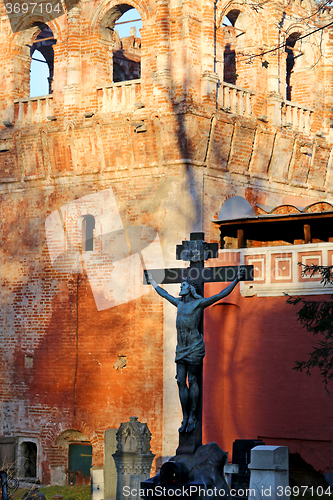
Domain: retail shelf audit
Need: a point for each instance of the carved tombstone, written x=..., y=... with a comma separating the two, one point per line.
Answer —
x=133, y=457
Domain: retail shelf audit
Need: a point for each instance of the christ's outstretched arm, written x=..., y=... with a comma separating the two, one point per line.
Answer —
x=215, y=298
x=163, y=293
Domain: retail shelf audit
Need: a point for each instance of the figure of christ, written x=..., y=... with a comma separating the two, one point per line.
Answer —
x=190, y=349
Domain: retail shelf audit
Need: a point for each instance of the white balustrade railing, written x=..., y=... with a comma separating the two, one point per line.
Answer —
x=296, y=116
x=277, y=270
x=33, y=109
x=118, y=96
x=235, y=99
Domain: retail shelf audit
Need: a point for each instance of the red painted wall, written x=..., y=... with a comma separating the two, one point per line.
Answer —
x=250, y=388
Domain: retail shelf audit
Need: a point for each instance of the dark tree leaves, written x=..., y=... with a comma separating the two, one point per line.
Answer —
x=317, y=318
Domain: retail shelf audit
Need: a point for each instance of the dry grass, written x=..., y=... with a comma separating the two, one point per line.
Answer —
x=68, y=492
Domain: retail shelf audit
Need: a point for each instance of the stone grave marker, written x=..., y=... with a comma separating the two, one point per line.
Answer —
x=133, y=457
x=110, y=471
x=269, y=473
x=241, y=455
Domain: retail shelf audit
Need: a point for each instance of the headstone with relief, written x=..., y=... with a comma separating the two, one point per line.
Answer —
x=133, y=457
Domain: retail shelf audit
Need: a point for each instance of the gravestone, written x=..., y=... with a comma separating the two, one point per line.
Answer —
x=269, y=473
x=241, y=455
x=133, y=457
x=97, y=482
x=110, y=471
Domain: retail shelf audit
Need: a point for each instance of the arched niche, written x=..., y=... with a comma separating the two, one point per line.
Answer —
x=300, y=67
x=69, y=446
x=88, y=227
x=238, y=35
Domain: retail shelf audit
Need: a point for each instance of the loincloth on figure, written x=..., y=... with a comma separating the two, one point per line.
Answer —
x=192, y=354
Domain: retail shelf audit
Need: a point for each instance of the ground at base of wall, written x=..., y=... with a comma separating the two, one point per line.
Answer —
x=303, y=474
x=68, y=492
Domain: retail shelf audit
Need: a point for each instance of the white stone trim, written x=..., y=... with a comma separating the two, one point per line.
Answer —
x=276, y=268
x=280, y=286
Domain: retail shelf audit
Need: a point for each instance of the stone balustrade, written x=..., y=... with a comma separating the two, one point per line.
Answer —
x=33, y=109
x=276, y=269
x=296, y=116
x=235, y=99
x=118, y=96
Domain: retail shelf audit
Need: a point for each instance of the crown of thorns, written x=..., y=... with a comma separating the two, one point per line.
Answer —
x=190, y=282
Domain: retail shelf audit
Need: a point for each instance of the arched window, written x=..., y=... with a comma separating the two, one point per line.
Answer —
x=42, y=62
x=290, y=63
x=39, y=75
x=127, y=48
x=88, y=226
x=229, y=56
x=119, y=49
x=237, y=35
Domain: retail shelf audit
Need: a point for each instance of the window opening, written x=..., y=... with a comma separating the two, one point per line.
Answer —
x=119, y=74
x=229, y=71
x=88, y=226
x=229, y=56
x=127, y=48
x=42, y=63
x=231, y=18
x=290, y=63
x=29, y=459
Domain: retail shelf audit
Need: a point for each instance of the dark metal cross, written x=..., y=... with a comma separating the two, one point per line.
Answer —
x=197, y=251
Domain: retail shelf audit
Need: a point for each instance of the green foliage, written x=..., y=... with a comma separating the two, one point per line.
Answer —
x=317, y=318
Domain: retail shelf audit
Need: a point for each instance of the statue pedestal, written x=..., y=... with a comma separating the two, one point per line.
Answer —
x=189, y=442
x=196, y=475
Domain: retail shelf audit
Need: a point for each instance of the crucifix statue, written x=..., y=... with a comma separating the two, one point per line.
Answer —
x=190, y=304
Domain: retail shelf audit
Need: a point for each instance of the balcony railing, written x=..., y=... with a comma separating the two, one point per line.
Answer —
x=118, y=96
x=276, y=269
x=235, y=99
x=33, y=110
x=296, y=116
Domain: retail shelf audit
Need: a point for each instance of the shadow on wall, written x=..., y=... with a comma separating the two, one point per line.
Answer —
x=221, y=363
x=250, y=388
